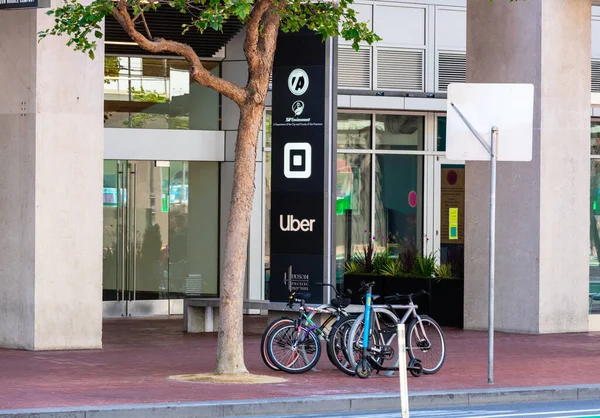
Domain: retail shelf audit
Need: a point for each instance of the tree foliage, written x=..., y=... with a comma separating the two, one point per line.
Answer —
x=82, y=23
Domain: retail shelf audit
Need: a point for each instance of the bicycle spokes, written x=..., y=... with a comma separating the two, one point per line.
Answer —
x=294, y=348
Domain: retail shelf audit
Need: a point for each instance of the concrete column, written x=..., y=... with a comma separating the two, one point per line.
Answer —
x=542, y=206
x=51, y=147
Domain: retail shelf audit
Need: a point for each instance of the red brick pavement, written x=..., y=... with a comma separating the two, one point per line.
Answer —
x=140, y=354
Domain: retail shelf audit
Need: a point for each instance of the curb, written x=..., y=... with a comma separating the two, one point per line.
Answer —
x=315, y=404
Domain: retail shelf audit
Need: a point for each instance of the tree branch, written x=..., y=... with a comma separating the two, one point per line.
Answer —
x=146, y=25
x=252, y=34
x=142, y=10
x=200, y=74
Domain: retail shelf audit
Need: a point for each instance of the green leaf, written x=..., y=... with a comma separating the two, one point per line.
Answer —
x=98, y=34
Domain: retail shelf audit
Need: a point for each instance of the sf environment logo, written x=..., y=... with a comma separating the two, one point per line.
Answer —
x=298, y=82
x=298, y=107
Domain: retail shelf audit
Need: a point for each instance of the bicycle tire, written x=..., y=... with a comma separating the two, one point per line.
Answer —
x=263, y=341
x=336, y=347
x=309, y=336
x=414, y=351
x=354, y=340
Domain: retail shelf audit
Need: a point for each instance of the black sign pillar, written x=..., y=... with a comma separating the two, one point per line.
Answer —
x=303, y=123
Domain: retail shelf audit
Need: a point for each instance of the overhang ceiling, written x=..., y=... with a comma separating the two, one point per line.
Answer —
x=167, y=23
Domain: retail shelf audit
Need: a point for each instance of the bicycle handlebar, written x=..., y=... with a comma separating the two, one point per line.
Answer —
x=410, y=296
x=365, y=286
x=337, y=294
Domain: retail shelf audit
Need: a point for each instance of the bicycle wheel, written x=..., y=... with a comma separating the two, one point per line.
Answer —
x=294, y=349
x=336, y=347
x=429, y=347
x=264, y=339
x=355, y=337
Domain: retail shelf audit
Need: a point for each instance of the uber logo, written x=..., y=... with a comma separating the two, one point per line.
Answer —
x=298, y=82
x=297, y=160
x=294, y=225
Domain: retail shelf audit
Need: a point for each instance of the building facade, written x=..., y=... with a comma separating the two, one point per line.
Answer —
x=168, y=157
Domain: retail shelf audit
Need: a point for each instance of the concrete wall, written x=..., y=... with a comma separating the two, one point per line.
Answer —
x=51, y=147
x=542, y=206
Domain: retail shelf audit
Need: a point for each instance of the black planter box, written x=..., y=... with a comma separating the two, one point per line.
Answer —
x=444, y=302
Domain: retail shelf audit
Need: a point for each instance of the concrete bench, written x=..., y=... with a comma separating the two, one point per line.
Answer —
x=202, y=314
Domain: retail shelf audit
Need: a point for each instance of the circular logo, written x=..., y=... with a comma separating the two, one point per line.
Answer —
x=412, y=199
x=298, y=82
x=298, y=107
x=452, y=177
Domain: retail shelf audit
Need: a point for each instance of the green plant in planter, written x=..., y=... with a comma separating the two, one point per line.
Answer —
x=380, y=260
x=352, y=267
x=392, y=267
x=443, y=271
x=408, y=254
x=425, y=265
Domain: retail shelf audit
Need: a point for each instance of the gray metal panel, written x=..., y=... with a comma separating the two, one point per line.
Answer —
x=114, y=309
x=148, y=307
x=163, y=144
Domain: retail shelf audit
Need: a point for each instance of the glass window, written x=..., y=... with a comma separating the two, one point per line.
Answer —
x=268, y=130
x=353, y=131
x=399, y=198
x=193, y=209
x=111, y=231
x=353, y=207
x=400, y=132
x=267, y=168
x=156, y=93
x=452, y=201
x=595, y=138
x=441, y=134
x=595, y=234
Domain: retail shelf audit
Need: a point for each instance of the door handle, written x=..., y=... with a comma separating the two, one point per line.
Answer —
x=134, y=229
x=121, y=202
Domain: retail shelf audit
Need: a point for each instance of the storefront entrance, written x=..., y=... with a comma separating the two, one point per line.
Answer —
x=160, y=235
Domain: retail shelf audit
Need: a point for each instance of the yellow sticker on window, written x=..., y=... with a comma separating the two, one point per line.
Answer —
x=453, y=223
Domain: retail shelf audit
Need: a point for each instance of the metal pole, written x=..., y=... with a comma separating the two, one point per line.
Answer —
x=493, y=159
x=402, y=371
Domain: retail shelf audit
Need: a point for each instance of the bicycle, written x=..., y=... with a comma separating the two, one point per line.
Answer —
x=372, y=342
x=340, y=332
x=336, y=311
x=301, y=337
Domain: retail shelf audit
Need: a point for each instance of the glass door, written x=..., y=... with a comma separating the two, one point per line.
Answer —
x=136, y=232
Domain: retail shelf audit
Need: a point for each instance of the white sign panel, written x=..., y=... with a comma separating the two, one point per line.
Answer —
x=509, y=107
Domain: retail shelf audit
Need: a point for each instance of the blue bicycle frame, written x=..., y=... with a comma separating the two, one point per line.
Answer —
x=367, y=324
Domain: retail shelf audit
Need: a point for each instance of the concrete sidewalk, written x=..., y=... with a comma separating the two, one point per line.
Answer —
x=314, y=404
x=131, y=375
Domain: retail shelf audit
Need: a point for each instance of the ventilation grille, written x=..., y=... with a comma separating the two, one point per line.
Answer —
x=354, y=68
x=452, y=68
x=399, y=70
x=596, y=76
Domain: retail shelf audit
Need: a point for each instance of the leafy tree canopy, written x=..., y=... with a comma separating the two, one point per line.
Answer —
x=327, y=18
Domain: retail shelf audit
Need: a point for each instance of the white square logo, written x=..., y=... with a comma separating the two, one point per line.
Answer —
x=297, y=158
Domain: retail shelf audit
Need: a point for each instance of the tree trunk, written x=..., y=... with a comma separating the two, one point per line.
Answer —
x=230, y=350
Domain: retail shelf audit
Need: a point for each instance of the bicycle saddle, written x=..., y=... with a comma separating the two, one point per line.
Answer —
x=302, y=295
x=340, y=303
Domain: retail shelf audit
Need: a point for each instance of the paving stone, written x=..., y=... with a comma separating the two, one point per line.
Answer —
x=139, y=355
